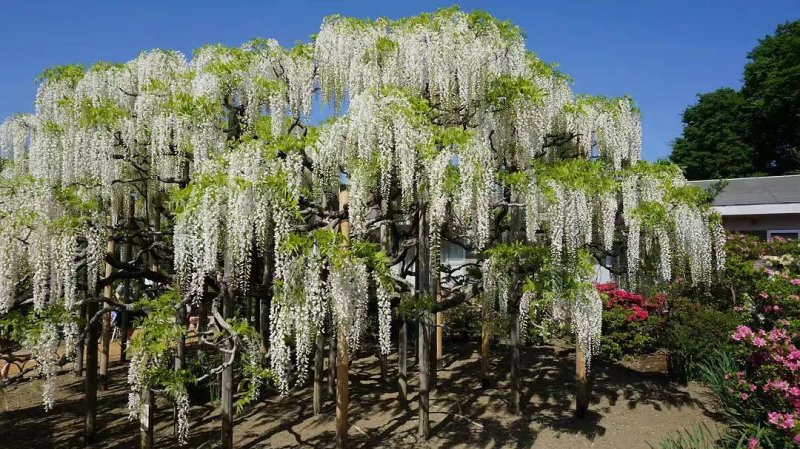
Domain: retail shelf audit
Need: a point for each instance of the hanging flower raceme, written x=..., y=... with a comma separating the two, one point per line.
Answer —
x=451, y=53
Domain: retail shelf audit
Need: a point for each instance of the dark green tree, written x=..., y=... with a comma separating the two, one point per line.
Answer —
x=754, y=131
x=772, y=91
x=712, y=145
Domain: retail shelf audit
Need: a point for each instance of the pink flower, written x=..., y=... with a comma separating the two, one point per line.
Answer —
x=780, y=385
x=764, y=295
x=777, y=335
x=742, y=332
x=759, y=342
x=795, y=281
x=781, y=420
x=752, y=443
x=745, y=396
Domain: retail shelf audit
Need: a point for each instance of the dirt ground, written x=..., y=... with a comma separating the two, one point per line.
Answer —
x=631, y=406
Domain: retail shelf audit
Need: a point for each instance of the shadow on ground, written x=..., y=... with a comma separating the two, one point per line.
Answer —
x=463, y=414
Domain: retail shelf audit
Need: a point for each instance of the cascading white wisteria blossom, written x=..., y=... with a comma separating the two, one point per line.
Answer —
x=314, y=289
x=587, y=321
x=443, y=53
x=445, y=114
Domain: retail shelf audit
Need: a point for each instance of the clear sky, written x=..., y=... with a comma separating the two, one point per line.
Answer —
x=660, y=52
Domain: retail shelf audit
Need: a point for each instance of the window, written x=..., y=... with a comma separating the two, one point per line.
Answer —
x=788, y=234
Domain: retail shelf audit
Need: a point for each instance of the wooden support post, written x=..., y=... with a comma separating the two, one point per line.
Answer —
x=106, y=333
x=402, y=363
x=439, y=339
x=424, y=427
x=226, y=414
x=148, y=397
x=126, y=254
x=90, y=420
x=148, y=405
x=180, y=356
x=434, y=330
x=386, y=246
x=332, y=365
x=266, y=296
x=319, y=372
x=81, y=344
x=433, y=373
x=424, y=288
x=342, y=389
x=486, y=340
x=515, y=362
x=384, y=367
x=342, y=352
x=582, y=390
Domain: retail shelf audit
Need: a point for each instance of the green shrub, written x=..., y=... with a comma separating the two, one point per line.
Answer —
x=694, y=331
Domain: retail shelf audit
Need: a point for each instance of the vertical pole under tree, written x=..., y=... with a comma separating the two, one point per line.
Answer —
x=515, y=362
x=148, y=405
x=515, y=234
x=319, y=372
x=226, y=413
x=147, y=396
x=423, y=285
x=439, y=339
x=486, y=340
x=581, y=391
x=180, y=356
x=424, y=427
x=402, y=363
x=90, y=421
x=106, y=333
x=342, y=351
x=126, y=254
x=386, y=246
x=266, y=296
x=332, y=365
x=81, y=344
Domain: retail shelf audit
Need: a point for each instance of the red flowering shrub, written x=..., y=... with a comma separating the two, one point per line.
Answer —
x=631, y=322
x=636, y=306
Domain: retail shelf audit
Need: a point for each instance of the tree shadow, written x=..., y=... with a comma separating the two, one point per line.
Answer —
x=463, y=413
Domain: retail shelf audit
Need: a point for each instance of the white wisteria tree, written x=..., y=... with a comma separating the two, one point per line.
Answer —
x=203, y=183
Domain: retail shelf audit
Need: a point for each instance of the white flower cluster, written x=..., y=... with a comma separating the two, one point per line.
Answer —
x=525, y=313
x=45, y=351
x=496, y=284
x=384, y=316
x=587, y=322
x=181, y=398
x=443, y=54
x=304, y=302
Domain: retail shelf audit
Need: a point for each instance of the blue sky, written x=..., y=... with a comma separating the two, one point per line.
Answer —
x=660, y=52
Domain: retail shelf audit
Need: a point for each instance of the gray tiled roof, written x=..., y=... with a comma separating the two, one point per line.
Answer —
x=764, y=190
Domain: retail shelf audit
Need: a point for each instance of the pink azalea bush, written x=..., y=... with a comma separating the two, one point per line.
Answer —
x=766, y=388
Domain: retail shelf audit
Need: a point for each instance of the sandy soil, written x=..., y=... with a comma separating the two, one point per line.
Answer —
x=629, y=408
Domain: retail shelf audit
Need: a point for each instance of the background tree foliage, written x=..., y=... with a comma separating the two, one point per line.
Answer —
x=753, y=131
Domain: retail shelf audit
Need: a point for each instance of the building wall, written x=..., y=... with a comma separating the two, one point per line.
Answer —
x=760, y=224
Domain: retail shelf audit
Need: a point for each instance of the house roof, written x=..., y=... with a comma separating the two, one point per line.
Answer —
x=756, y=191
